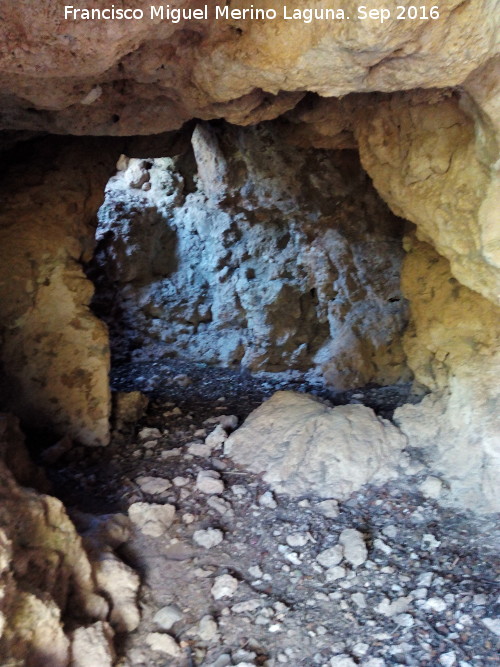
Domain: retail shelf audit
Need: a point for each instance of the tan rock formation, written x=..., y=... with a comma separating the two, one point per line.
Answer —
x=55, y=353
x=47, y=577
x=421, y=151
x=43, y=569
x=453, y=346
x=147, y=76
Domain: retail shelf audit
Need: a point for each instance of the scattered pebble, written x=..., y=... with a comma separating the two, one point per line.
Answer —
x=353, y=542
x=153, y=485
x=208, y=538
x=163, y=644
x=209, y=482
x=224, y=587
x=167, y=617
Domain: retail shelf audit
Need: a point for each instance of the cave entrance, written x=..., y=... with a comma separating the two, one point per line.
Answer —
x=249, y=253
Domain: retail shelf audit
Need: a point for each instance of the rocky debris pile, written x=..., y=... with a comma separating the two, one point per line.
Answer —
x=234, y=573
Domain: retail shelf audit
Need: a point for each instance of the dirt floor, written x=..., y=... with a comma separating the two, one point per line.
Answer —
x=246, y=577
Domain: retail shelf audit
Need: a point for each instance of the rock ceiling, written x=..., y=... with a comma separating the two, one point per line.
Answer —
x=148, y=76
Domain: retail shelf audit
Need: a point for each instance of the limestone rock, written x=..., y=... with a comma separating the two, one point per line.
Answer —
x=448, y=192
x=457, y=426
x=224, y=586
x=303, y=445
x=219, y=72
x=152, y=520
x=44, y=571
x=153, y=485
x=121, y=585
x=55, y=352
x=209, y=482
x=167, y=617
x=330, y=557
x=354, y=547
x=92, y=645
x=163, y=644
x=193, y=274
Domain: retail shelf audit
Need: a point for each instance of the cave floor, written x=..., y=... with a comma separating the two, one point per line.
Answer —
x=425, y=594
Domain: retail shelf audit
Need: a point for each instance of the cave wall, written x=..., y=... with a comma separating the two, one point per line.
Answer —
x=54, y=353
x=254, y=253
x=453, y=347
x=62, y=596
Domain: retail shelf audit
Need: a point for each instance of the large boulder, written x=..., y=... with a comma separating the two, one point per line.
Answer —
x=303, y=446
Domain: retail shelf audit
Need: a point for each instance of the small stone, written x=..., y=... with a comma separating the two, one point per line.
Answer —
x=92, y=645
x=247, y=606
x=153, y=485
x=429, y=542
x=239, y=490
x=149, y=434
x=255, y=572
x=188, y=518
x=334, y=573
x=355, y=551
x=180, y=481
x=197, y=449
x=431, y=487
x=359, y=599
x=209, y=482
x=374, y=662
x=224, y=586
x=228, y=422
x=152, y=520
x=297, y=540
x=163, y=644
x=267, y=500
x=171, y=453
x=207, y=629
x=493, y=625
x=219, y=505
x=167, y=617
x=360, y=649
x=342, y=660
x=404, y=620
x=390, y=531
x=398, y=606
x=129, y=407
x=330, y=557
x=434, y=604
x=382, y=546
x=223, y=660
x=217, y=438
x=448, y=659
x=208, y=538
x=328, y=508
x=425, y=579
x=419, y=593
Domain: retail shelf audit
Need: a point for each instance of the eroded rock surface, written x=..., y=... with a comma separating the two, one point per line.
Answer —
x=54, y=353
x=149, y=76
x=253, y=253
x=302, y=445
x=453, y=344
x=48, y=578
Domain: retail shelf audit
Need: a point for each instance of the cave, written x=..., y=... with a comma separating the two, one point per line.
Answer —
x=249, y=340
